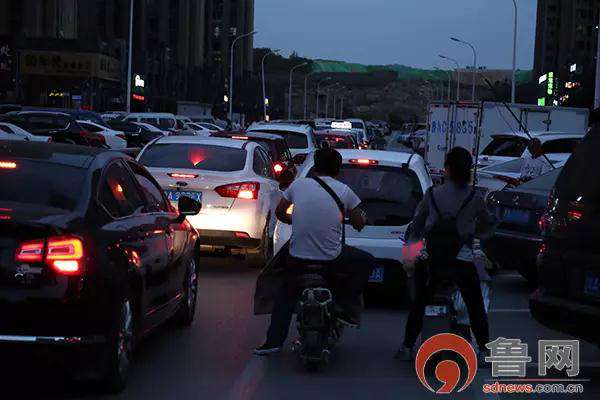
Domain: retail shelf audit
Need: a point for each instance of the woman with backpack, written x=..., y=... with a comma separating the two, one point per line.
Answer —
x=449, y=218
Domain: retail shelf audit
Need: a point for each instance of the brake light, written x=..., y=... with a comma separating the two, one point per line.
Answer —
x=63, y=253
x=278, y=168
x=8, y=165
x=243, y=190
x=364, y=161
x=240, y=137
x=242, y=235
x=183, y=176
x=544, y=223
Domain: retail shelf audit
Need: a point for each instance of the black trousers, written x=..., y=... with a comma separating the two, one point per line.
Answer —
x=467, y=279
x=348, y=275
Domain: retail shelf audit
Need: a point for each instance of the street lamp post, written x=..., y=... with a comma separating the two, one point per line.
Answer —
x=449, y=81
x=458, y=75
x=129, y=56
x=319, y=93
x=290, y=93
x=514, y=66
x=231, y=62
x=306, y=93
x=264, y=86
x=327, y=99
x=474, y=63
x=342, y=107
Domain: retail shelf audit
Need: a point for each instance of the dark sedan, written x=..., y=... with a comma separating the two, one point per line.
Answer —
x=518, y=239
x=136, y=135
x=92, y=256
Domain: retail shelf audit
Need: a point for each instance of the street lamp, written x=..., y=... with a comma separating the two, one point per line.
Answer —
x=327, y=98
x=474, y=62
x=319, y=93
x=290, y=93
x=231, y=62
x=129, y=56
x=306, y=93
x=514, y=66
x=449, y=80
x=458, y=75
x=264, y=88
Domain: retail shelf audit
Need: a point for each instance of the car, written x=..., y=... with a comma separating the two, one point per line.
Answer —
x=506, y=147
x=235, y=181
x=13, y=132
x=114, y=139
x=77, y=114
x=93, y=257
x=202, y=128
x=397, y=142
x=109, y=115
x=164, y=121
x=337, y=139
x=61, y=127
x=300, y=138
x=275, y=145
x=137, y=135
x=309, y=122
x=519, y=210
x=390, y=185
x=360, y=128
x=568, y=297
x=151, y=128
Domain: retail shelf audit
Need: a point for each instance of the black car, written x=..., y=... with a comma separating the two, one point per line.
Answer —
x=136, y=135
x=520, y=209
x=77, y=114
x=568, y=298
x=92, y=256
x=61, y=127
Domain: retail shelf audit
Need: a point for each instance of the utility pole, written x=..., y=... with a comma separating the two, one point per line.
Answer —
x=597, y=96
x=129, y=56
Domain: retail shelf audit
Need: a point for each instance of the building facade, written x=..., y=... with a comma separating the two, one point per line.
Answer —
x=73, y=53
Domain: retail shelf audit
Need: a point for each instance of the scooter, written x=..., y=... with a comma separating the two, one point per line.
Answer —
x=319, y=329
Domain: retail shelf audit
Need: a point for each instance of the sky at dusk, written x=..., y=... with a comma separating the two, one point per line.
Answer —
x=409, y=32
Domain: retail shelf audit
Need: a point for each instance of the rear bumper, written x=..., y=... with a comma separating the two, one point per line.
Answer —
x=566, y=316
x=387, y=249
x=524, y=249
x=226, y=238
x=240, y=218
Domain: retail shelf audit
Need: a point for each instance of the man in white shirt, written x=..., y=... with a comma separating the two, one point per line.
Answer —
x=317, y=237
x=536, y=165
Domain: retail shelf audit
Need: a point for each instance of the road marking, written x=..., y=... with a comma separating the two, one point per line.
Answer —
x=509, y=310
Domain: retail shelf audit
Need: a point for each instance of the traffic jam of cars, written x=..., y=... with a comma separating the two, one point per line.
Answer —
x=104, y=220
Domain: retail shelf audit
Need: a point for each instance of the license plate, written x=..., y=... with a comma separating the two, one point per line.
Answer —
x=435, y=311
x=592, y=285
x=515, y=216
x=377, y=275
x=174, y=195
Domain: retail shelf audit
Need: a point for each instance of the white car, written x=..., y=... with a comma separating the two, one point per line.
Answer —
x=233, y=179
x=10, y=131
x=114, y=139
x=390, y=185
x=510, y=146
x=360, y=128
x=164, y=121
x=200, y=129
x=300, y=138
x=152, y=128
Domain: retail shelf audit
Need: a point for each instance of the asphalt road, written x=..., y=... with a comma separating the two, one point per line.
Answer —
x=213, y=359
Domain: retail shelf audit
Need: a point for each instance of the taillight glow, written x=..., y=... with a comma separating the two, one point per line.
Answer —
x=32, y=251
x=364, y=161
x=63, y=253
x=242, y=235
x=278, y=168
x=243, y=190
x=240, y=137
x=64, y=249
x=183, y=176
x=8, y=165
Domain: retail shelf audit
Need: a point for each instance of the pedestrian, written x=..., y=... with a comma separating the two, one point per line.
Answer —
x=536, y=164
x=449, y=218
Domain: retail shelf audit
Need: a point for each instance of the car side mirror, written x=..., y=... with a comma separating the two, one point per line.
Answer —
x=187, y=207
x=285, y=179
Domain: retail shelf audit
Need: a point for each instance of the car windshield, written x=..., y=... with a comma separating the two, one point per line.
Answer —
x=389, y=195
x=544, y=183
x=294, y=140
x=59, y=186
x=506, y=147
x=190, y=156
x=336, y=142
x=358, y=125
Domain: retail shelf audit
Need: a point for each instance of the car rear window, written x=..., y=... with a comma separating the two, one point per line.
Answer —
x=358, y=125
x=189, y=156
x=336, y=142
x=294, y=140
x=58, y=186
x=389, y=195
x=545, y=182
x=33, y=121
x=506, y=147
x=560, y=146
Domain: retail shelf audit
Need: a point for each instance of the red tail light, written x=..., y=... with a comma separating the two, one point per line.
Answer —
x=243, y=190
x=278, y=168
x=364, y=161
x=183, y=176
x=63, y=253
x=8, y=165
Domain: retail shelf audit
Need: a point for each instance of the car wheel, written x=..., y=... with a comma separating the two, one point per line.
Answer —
x=187, y=310
x=119, y=349
x=258, y=258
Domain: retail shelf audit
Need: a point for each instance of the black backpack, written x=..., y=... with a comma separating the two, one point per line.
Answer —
x=443, y=239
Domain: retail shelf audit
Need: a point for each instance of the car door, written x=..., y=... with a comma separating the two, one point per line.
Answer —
x=142, y=233
x=269, y=186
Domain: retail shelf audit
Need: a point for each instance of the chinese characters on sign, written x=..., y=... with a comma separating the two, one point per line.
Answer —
x=560, y=355
x=509, y=357
x=81, y=65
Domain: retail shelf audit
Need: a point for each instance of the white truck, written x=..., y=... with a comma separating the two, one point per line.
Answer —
x=471, y=125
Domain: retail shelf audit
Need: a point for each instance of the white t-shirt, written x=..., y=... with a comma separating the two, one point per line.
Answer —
x=535, y=167
x=316, y=220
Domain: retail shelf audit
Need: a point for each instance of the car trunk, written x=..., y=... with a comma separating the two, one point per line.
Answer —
x=520, y=210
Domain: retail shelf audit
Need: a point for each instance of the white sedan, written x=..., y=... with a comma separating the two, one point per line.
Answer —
x=114, y=139
x=10, y=131
x=202, y=129
x=390, y=185
x=233, y=179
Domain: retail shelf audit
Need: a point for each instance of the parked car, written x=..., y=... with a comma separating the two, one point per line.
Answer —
x=151, y=128
x=568, y=298
x=200, y=129
x=92, y=256
x=519, y=210
x=12, y=132
x=77, y=114
x=61, y=127
x=137, y=135
x=337, y=139
x=235, y=181
x=390, y=185
x=300, y=138
x=163, y=121
x=114, y=139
